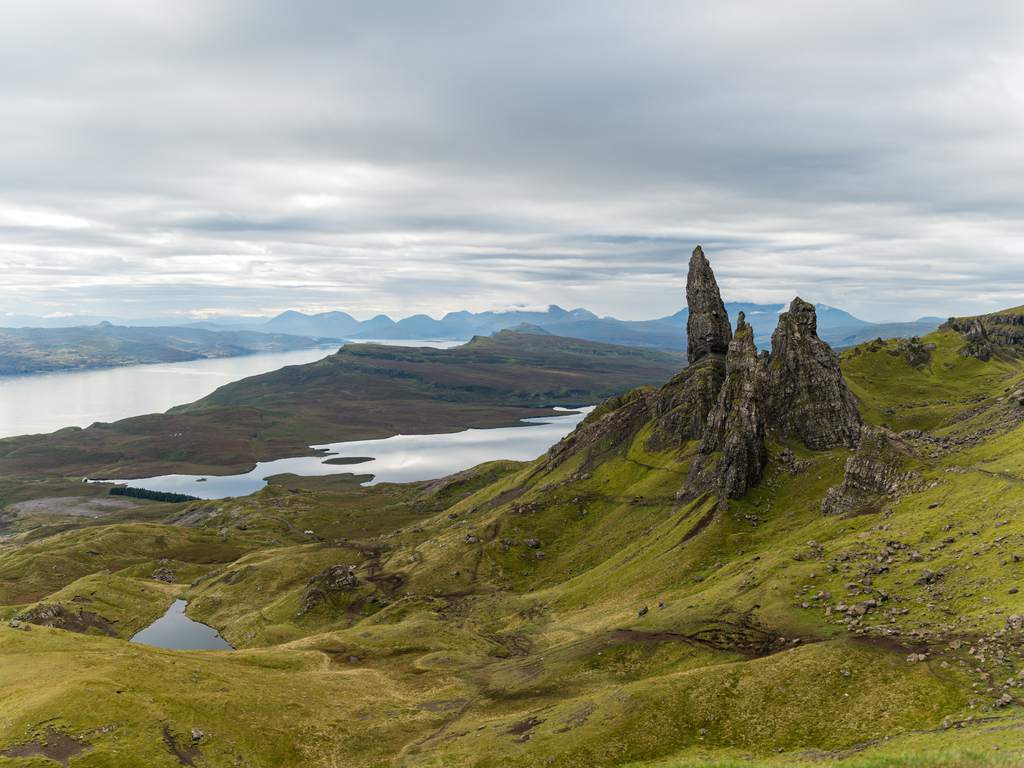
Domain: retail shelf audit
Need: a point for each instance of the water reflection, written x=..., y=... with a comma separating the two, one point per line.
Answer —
x=177, y=631
x=398, y=459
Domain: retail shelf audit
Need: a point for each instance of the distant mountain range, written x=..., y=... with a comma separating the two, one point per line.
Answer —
x=838, y=328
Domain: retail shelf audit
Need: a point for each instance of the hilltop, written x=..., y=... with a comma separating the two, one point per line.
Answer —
x=792, y=557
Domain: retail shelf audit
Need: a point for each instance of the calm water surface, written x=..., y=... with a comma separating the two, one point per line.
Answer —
x=176, y=630
x=46, y=402
x=398, y=459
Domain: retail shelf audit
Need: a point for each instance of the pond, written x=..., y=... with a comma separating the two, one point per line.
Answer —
x=177, y=631
x=398, y=459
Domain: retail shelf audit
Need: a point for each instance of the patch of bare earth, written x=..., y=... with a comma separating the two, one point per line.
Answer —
x=57, y=747
x=79, y=506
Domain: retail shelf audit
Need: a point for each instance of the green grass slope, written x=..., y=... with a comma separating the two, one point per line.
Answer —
x=572, y=612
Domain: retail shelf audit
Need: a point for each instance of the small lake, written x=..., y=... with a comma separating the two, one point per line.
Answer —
x=177, y=631
x=398, y=459
x=45, y=402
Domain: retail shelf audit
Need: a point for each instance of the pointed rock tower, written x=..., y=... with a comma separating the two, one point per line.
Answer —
x=707, y=328
x=736, y=427
x=808, y=398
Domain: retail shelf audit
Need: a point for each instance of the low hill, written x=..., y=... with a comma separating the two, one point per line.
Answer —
x=364, y=391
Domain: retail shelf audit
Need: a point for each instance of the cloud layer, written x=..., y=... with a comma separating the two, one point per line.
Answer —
x=400, y=157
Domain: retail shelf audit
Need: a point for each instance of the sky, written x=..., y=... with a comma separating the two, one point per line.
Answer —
x=201, y=157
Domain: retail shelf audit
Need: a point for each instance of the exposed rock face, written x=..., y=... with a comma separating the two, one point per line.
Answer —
x=972, y=330
x=57, y=615
x=707, y=328
x=915, y=351
x=735, y=428
x=807, y=397
x=1006, y=331
x=874, y=471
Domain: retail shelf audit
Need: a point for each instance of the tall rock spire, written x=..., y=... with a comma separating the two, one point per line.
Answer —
x=707, y=328
x=808, y=398
x=732, y=453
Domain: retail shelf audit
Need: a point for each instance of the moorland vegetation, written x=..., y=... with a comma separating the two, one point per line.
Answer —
x=780, y=558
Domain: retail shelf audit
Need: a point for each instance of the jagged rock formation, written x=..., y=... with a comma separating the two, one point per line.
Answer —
x=736, y=427
x=972, y=330
x=731, y=405
x=707, y=328
x=1006, y=331
x=871, y=474
x=916, y=352
x=809, y=399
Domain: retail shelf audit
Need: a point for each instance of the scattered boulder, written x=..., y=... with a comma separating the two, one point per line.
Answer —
x=532, y=543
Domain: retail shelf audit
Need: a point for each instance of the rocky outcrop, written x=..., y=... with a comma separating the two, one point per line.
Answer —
x=680, y=410
x=735, y=429
x=332, y=579
x=916, y=352
x=972, y=331
x=56, y=615
x=873, y=474
x=684, y=403
x=807, y=397
x=707, y=328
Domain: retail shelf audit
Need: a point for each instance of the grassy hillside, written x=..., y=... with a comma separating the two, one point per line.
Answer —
x=362, y=392
x=569, y=612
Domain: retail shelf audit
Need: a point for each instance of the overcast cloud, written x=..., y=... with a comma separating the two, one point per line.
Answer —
x=403, y=157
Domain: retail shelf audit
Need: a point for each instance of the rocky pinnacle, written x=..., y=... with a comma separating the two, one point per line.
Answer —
x=707, y=328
